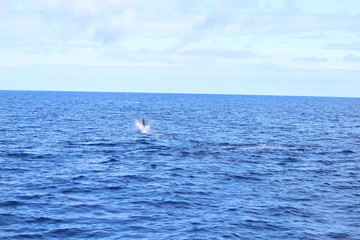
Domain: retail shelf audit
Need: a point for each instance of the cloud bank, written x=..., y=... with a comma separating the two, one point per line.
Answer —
x=215, y=34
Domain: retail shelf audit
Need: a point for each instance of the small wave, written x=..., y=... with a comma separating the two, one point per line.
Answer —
x=114, y=188
x=47, y=220
x=156, y=134
x=11, y=203
x=143, y=141
x=242, y=178
x=19, y=154
x=66, y=232
x=137, y=178
x=262, y=224
x=100, y=144
x=339, y=235
x=347, y=152
x=248, y=147
x=74, y=190
x=8, y=219
x=13, y=169
x=78, y=177
x=28, y=197
x=174, y=203
x=111, y=160
x=25, y=236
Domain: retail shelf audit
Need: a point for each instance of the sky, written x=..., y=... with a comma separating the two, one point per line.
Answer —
x=260, y=47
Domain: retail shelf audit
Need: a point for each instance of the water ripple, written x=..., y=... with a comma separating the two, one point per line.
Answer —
x=73, y=166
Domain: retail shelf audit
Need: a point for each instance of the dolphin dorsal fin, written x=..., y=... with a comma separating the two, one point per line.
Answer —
x=143, y=122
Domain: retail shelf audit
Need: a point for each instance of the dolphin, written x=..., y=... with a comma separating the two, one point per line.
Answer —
x=142, y=127
x=143, y=122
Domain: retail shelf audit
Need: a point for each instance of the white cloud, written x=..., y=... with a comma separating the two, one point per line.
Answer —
x=85, y=8
x=255, y=37
x=220, y=53
x=113, y=20
x=182, y=27
x=351, y=58
x=3, y=5
x=310, y=59
x=117, y=26
x=353, y=46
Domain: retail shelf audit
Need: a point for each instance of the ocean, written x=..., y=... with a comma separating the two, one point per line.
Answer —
x=74, y=165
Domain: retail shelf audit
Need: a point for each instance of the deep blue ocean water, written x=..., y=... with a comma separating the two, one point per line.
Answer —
x=74, y=166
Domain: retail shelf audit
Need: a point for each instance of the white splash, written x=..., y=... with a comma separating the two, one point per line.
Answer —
x=145, y=129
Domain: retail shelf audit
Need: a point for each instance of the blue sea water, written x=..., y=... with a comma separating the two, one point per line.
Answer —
x=74, y=166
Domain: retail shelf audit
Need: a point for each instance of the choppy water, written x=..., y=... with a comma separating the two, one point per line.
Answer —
x=73, y=165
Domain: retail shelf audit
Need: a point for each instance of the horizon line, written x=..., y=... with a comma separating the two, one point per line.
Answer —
x=184, y=93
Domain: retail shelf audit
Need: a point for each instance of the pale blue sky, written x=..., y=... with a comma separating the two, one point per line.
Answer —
x=274, y=47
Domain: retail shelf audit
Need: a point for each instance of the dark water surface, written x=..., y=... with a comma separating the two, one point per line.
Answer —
x=72, y=165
